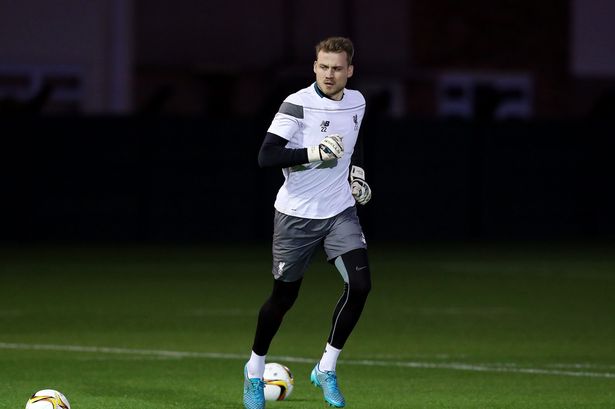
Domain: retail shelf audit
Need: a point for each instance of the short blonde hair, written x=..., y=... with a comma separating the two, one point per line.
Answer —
x=336, y=45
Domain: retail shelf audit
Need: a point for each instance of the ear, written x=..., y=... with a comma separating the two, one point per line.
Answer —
x=315, y=62
x=350, y=70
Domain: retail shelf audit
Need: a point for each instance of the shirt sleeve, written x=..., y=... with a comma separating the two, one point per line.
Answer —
x=287, y=120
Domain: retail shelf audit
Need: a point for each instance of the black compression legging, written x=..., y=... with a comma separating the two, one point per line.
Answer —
x=272, y=312
x=346, y=313
x=350, y=305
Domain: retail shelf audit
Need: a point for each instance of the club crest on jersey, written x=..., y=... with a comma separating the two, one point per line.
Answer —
x=324, y=125
x=355, y=119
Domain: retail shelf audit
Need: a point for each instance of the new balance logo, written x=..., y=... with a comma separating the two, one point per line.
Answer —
x=324, y=125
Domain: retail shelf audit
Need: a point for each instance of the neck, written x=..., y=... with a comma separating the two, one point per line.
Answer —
x=323, y=95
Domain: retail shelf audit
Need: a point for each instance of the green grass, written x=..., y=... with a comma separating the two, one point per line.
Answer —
x=446, y=326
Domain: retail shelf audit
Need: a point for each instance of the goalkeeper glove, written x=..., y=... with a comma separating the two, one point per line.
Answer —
x=329, y=148
x=360, y=189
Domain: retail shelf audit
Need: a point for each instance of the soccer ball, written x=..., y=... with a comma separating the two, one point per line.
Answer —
x=279, y=381
x=48, y=399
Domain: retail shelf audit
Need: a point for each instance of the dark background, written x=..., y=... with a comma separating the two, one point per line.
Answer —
x=170, y=179
x=175, y=160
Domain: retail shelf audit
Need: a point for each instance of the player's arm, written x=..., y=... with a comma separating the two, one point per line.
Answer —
x=274, y=153
x=360, y=189
x=357, y=154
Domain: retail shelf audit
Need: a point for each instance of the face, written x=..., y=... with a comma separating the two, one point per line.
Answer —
x=332, y=72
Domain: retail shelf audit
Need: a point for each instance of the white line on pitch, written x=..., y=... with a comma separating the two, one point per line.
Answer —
x=215, y=355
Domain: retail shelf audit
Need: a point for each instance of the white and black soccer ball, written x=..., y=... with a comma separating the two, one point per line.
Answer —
x=48, y=399
x=279, y=381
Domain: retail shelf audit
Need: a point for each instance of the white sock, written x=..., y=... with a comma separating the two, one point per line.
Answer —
x=329, y=358
x=256, y=366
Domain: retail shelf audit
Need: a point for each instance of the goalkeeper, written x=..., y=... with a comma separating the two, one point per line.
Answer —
x=313, y=139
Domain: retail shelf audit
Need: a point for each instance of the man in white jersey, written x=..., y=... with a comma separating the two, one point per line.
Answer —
x=313, y=139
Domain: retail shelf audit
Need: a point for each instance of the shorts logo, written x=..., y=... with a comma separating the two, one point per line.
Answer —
x=281, y=268
x=355, y=119
x=324, y=125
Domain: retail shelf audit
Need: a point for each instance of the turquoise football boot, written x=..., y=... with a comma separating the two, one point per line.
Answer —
x=253, y=391
x=327, y=380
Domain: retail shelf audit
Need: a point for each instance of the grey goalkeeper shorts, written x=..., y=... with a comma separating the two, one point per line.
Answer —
x=295, y=240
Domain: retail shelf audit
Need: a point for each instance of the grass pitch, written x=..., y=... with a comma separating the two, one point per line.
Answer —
x=446, y=326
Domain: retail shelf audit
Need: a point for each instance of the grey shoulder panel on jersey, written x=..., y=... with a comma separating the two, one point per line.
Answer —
x=291, y=109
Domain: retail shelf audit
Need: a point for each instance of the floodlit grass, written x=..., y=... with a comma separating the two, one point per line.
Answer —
x=446, y=326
